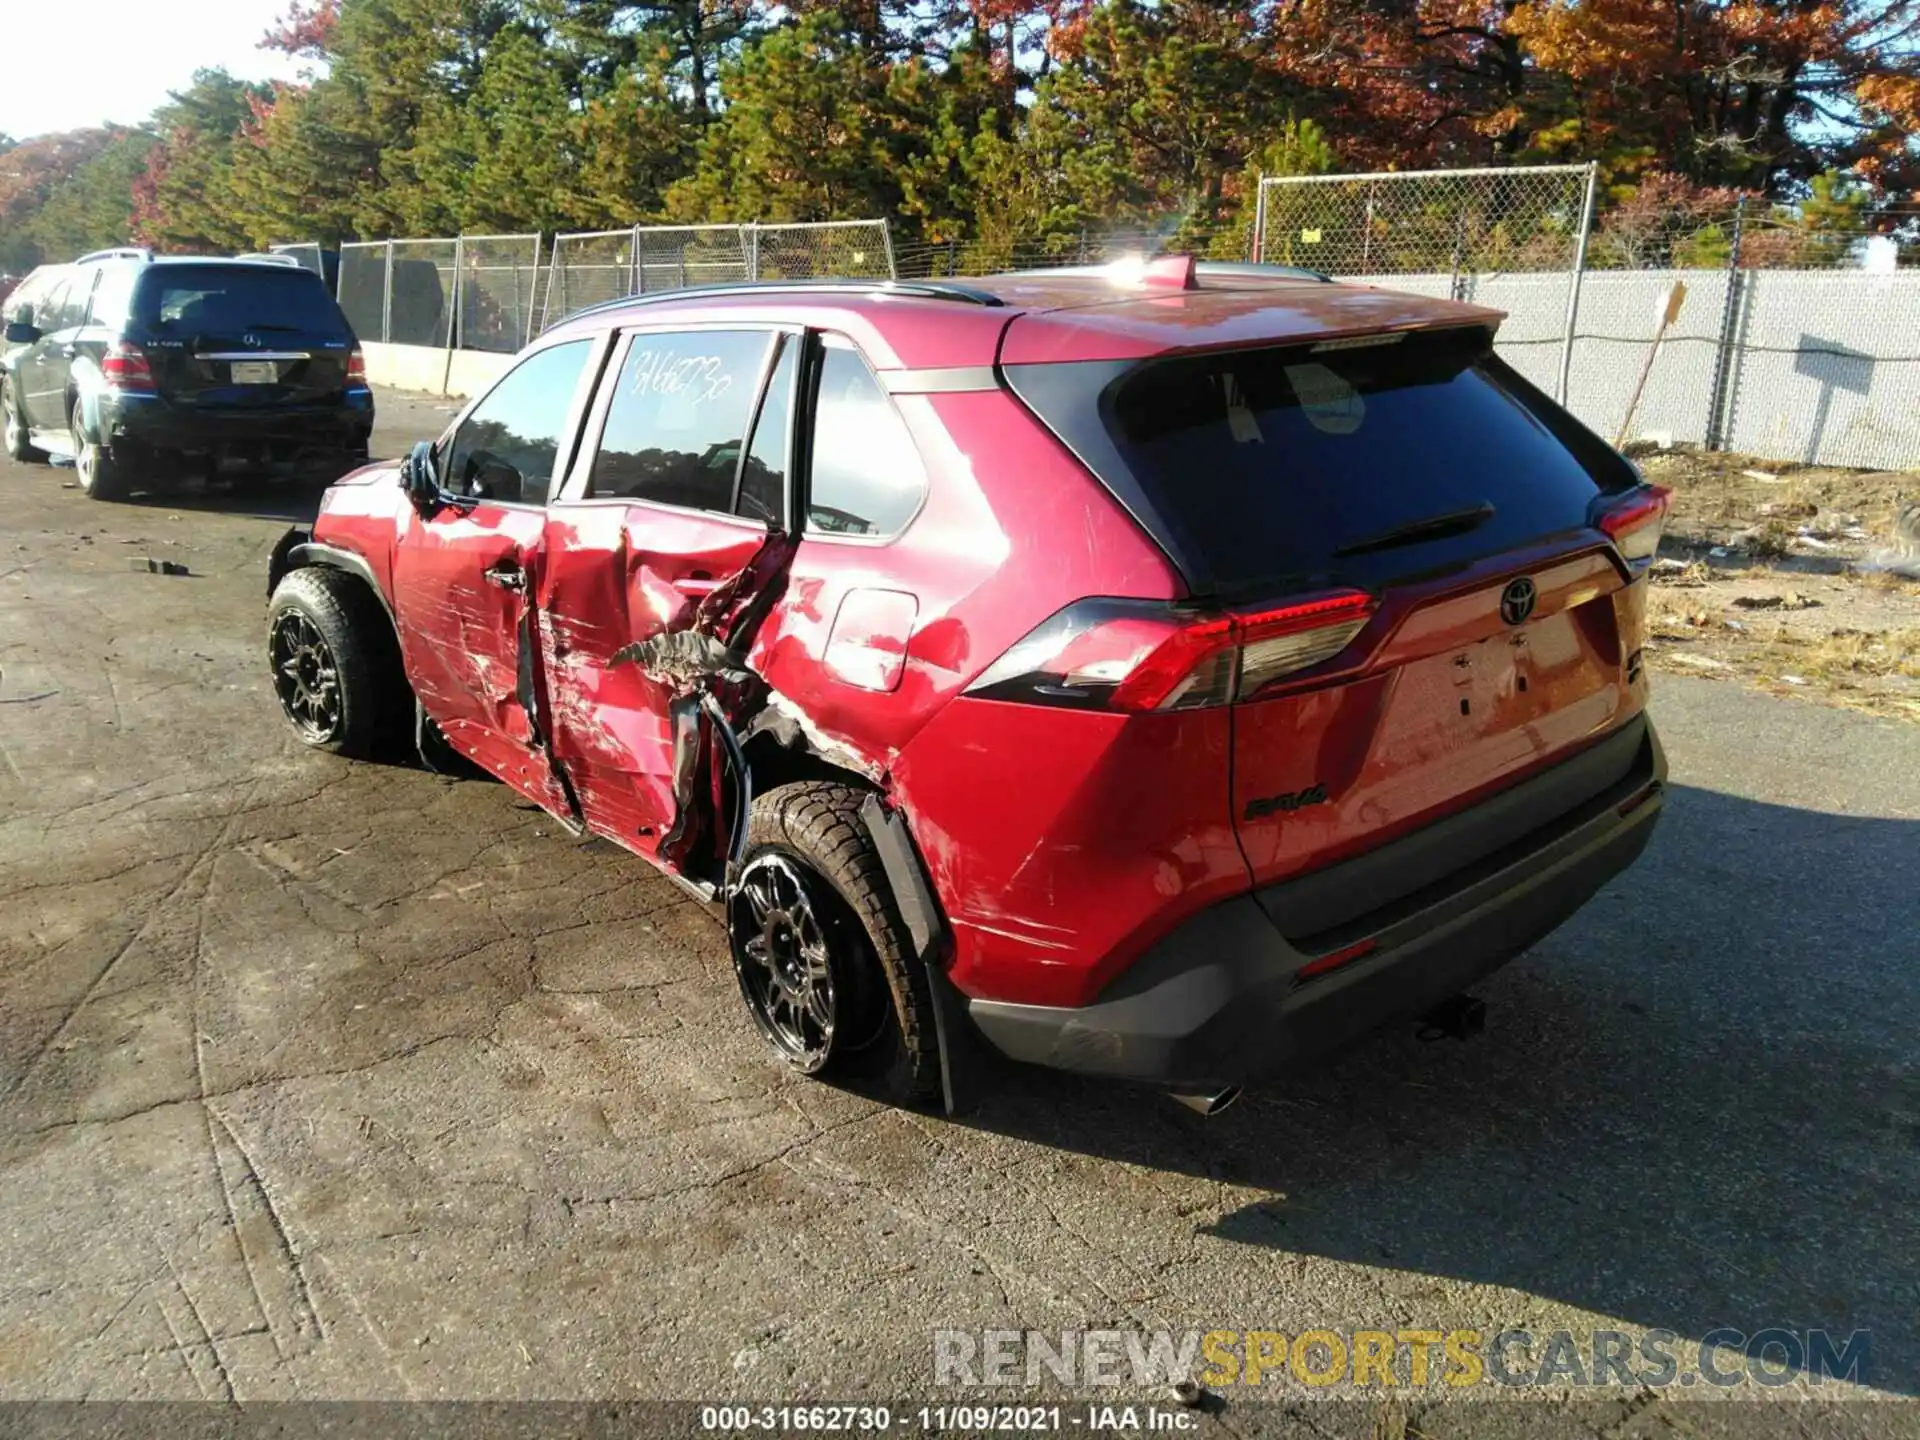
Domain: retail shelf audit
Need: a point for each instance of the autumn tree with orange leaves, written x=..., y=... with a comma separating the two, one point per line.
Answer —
x=1002, y=121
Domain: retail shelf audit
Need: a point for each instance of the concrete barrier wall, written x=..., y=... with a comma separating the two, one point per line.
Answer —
x=430, y=371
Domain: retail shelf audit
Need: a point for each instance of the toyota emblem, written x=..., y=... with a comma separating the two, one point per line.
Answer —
x=1516, y=601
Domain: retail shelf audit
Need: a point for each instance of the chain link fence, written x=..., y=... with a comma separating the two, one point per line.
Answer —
x=1793, y=343
x=420, y=292
x=1437, y=232
x=1457, y=222
x=499, y=283
x=363, y=287
x=673, y=257
x=1685, y=233
x=587, y=269
x=592, y=267
x=942, y=260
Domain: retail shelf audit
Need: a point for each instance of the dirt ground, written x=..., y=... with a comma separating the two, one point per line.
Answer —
x=1789, y=577
x=324, y=1080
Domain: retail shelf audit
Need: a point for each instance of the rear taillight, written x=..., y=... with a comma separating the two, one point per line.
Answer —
x=1136, y=655
x=1634, y=521
x=357, y=369
x=125, y=368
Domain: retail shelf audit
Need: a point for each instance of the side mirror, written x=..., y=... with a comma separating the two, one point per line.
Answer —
x=21, y=332
x=417, y=477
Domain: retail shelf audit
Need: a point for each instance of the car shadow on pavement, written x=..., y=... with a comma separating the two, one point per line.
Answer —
x=263, y=500
x=1696, y=1105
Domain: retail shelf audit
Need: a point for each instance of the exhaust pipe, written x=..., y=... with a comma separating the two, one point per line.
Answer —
x=1209, y=1102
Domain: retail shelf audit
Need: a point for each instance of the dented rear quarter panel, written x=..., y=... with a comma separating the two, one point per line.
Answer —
x=1042, y=849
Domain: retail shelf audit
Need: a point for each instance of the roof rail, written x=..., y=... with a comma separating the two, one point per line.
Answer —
x=916, y=289
x=119, y=252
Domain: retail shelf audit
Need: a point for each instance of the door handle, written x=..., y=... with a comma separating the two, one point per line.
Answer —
x=697, y=584
x=506, y=574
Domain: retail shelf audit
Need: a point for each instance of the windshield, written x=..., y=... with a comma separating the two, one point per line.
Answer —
x=203, y=299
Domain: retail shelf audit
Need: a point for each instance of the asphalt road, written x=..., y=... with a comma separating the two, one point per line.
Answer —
x=334, y=1080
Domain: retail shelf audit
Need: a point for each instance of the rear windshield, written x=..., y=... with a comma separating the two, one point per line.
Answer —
x=1257, y=468
x=205, y=299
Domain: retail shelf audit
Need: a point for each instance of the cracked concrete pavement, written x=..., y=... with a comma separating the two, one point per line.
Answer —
x=349, y=1081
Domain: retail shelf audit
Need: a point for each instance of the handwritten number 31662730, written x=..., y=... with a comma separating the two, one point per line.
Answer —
x=699, y=378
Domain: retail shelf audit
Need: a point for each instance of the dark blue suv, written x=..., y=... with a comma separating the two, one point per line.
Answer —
x=147, y=372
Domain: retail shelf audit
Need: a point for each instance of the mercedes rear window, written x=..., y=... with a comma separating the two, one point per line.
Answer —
x=232, y=299
x=1355, y=462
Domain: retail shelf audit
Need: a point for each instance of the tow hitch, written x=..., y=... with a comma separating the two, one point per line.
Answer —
x=1460, y=1018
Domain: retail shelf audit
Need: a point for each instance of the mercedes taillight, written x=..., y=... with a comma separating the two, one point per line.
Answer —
x=125, y=368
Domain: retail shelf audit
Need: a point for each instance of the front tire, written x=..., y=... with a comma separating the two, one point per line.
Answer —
x=14, y=420
x=335, y=667
x=101, y=475
x=825, y=963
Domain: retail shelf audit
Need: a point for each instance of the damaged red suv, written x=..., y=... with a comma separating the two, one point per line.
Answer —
x=1165, y=674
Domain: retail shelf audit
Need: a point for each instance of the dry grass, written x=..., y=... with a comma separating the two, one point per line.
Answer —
x=1677, y=615
x=1841, y=656
x=1770, y=540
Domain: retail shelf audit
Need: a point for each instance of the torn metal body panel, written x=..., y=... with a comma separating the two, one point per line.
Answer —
x=629, y=632
x=701, y=672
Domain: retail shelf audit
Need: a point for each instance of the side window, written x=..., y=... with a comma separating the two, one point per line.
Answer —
x=679, y=417
x=47, y=312
x=505, y=450
x=763, y=479
x=113, y=299
x=866, y=478
x=73, y=308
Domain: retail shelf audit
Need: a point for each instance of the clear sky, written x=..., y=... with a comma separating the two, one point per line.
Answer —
x=65, y=64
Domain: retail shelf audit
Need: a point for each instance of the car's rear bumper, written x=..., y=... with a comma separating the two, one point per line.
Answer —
x=1221, y=1001
x=279, y=432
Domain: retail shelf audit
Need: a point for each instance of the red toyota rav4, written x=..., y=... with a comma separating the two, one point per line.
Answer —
x=1165, y=675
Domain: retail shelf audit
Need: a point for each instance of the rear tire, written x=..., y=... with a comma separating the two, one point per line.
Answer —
x=810, y=870
x=334, y=664
x=101, y=475
x=14, y=419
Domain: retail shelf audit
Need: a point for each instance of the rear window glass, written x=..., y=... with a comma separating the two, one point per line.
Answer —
x=1288, y=464
x=199, y=299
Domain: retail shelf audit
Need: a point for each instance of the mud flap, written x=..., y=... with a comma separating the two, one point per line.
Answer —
x=961, y=1063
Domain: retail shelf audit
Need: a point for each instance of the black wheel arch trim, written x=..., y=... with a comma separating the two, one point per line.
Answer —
x=960, y=1058
x=297, y=549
